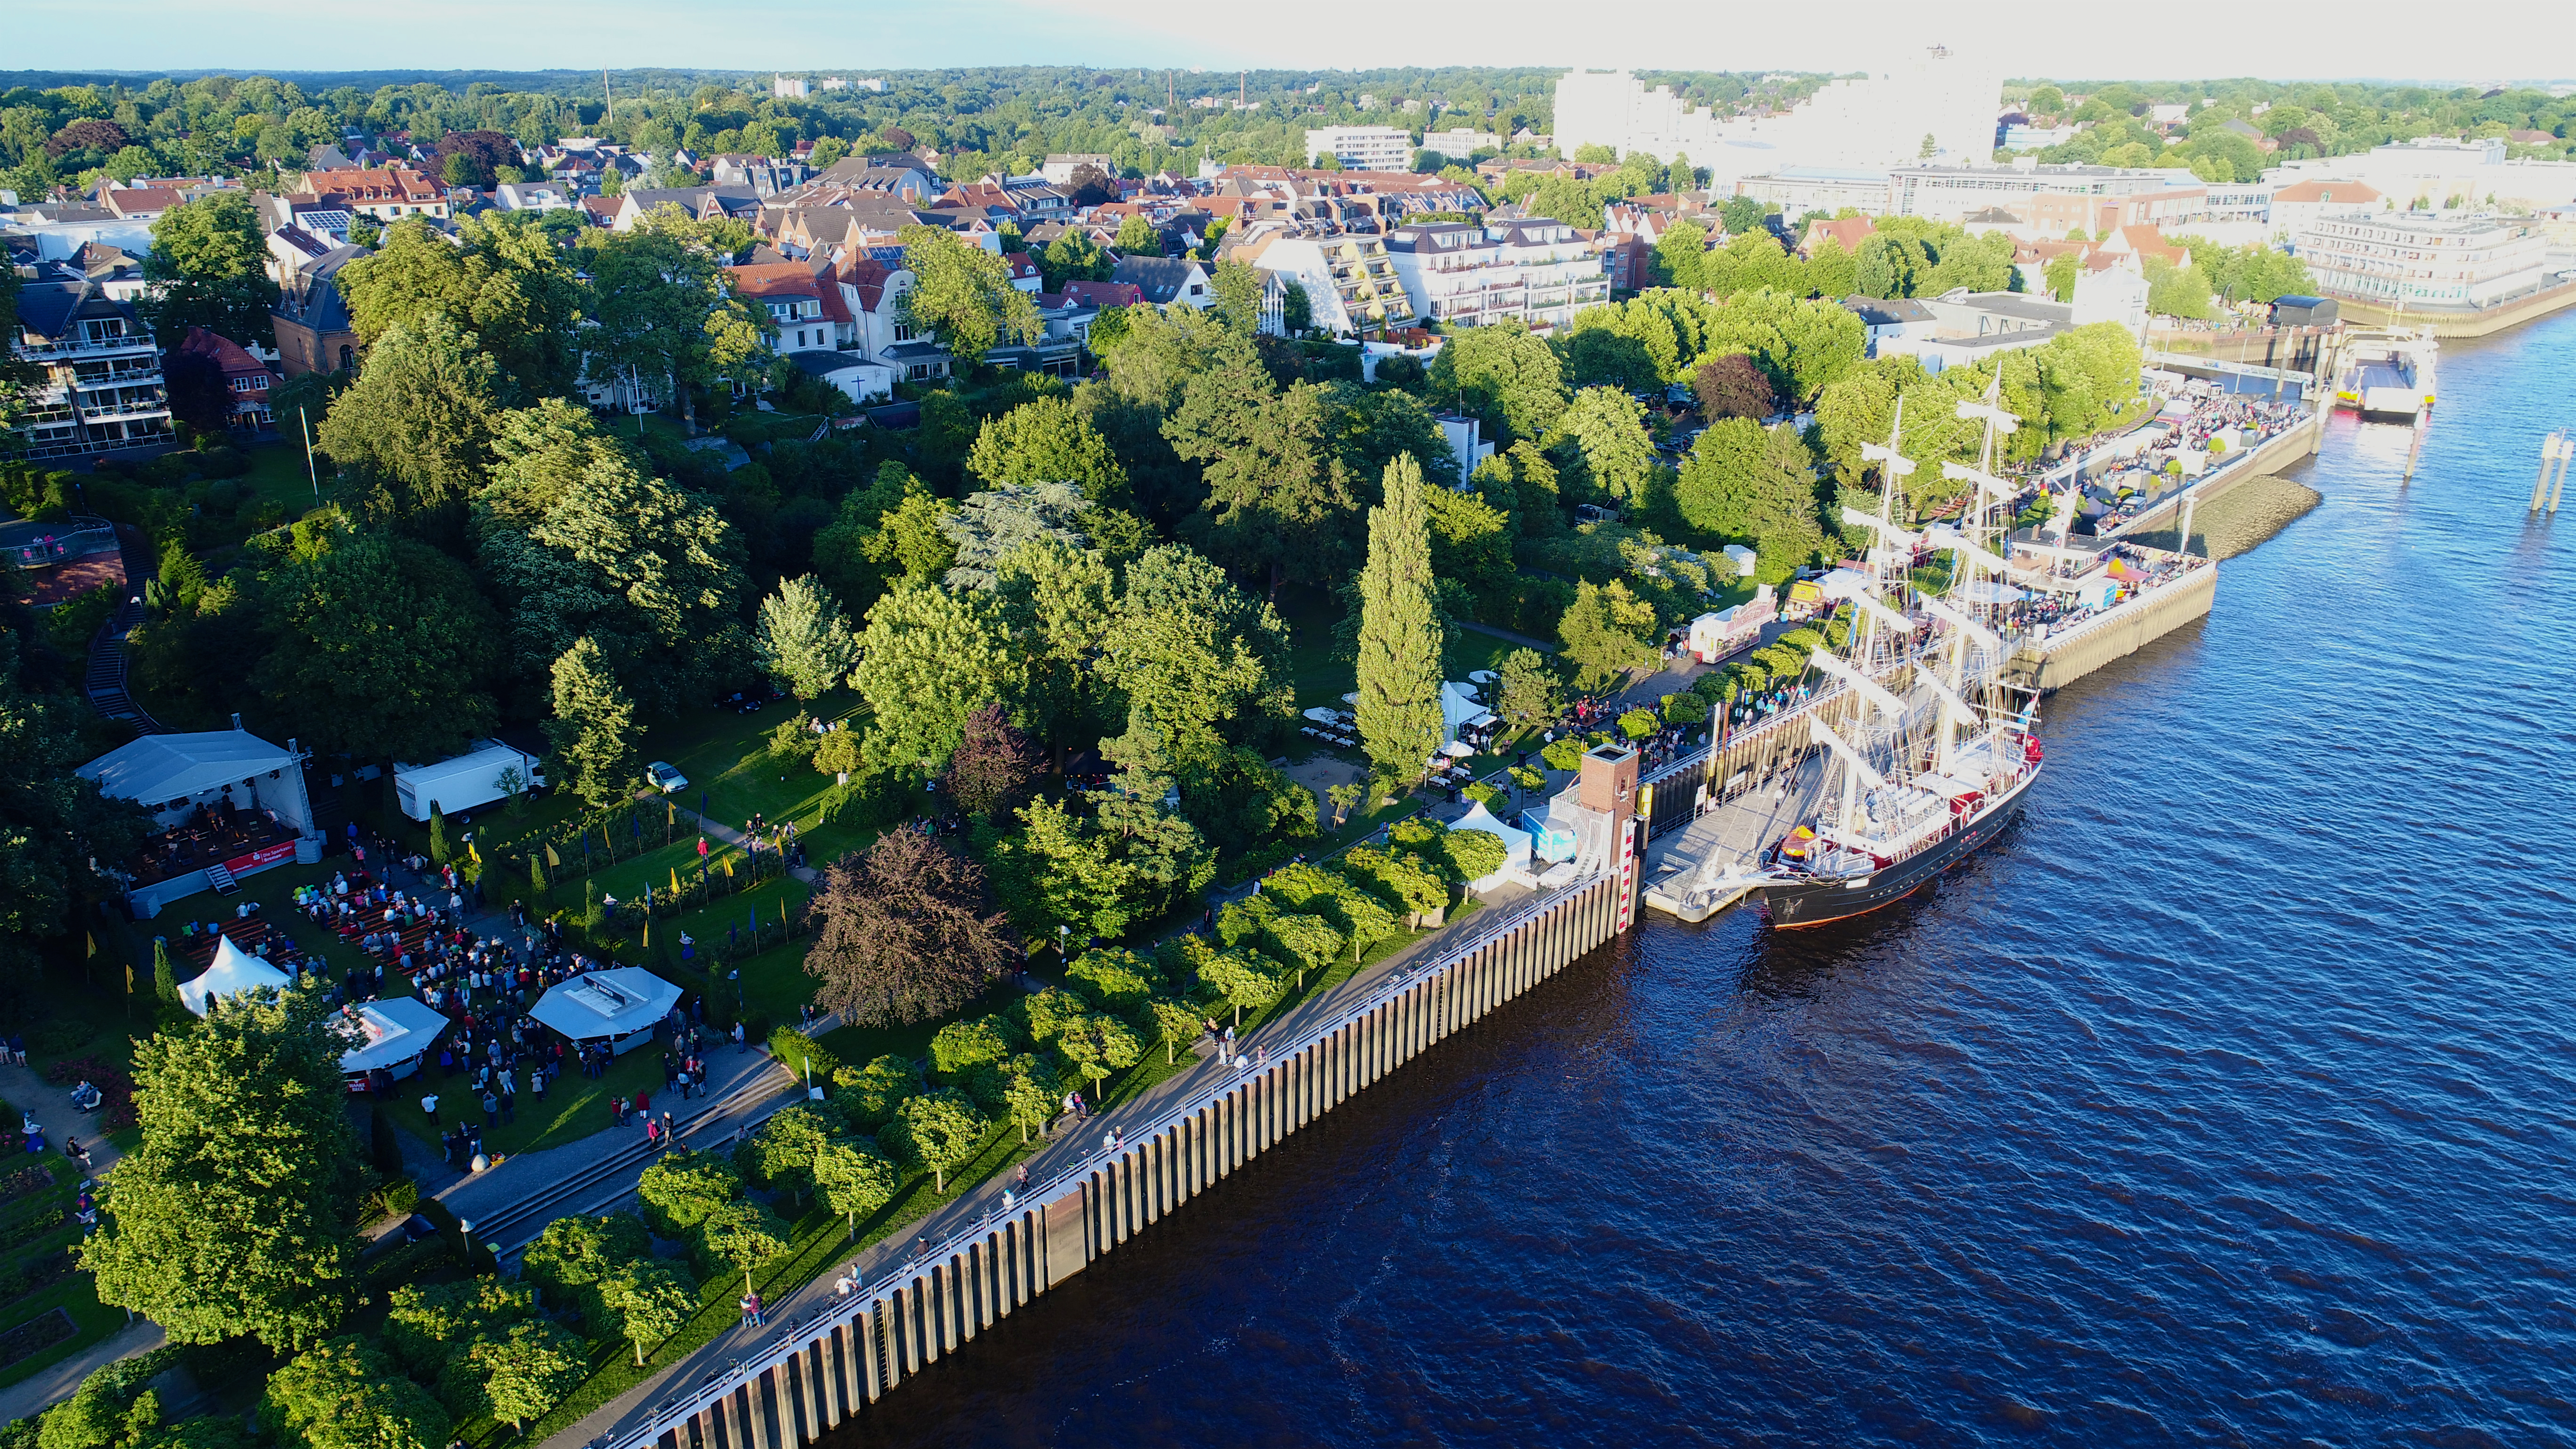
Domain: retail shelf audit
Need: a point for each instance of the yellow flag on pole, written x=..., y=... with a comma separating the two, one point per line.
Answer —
x=92, y=938
x=129, y=978
x=551, y=860
x=675, y=882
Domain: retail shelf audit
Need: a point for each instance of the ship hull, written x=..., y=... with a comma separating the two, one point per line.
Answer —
x=1800, y=903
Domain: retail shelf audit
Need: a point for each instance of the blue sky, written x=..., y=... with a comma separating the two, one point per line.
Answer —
x=2464, y=40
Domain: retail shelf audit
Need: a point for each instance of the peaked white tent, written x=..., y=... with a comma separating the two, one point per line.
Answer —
x=623, y=1003
x=1458, y=706
x=394, y=1033
x=234, y=971
x=1516, y=843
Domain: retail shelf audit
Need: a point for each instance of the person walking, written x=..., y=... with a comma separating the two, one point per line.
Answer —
x=509, y=1100
x=750, y=1305
x=652, y=1135
x=491, y=1109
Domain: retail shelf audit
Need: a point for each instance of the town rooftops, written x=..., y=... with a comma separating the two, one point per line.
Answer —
x=1159, y=278
x=2322, y=191
x=225, y=353
x=1887, y=311
x=140, y=203
x=1104, y=294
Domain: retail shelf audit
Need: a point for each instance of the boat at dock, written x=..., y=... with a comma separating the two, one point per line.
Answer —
x=1915, y=782
x=2388, y=376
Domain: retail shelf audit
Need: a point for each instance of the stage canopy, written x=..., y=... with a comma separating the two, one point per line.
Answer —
x=619, y=1002
x=235, y=970
x=158, y=768
x=396, y=1029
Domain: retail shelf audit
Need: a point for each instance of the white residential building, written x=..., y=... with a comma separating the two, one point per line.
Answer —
x=1537, y=271
x=1363, y=148
x=2417, y=260
x=1460, y=142
x=1349, y=279
x=2439, y=173
x=1059, y=167
x=787, y=87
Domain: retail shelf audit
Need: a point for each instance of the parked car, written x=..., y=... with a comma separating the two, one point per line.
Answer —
x=663, y=777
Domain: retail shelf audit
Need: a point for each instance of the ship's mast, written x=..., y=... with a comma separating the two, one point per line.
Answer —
x=1972, y=558
x=1886, y=554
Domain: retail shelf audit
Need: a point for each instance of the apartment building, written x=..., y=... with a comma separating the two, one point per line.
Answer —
x=102, y=389
x=1534, y=270
x=2413, y=259
x=1349, y=279
x=379, y=194
x=1363, y=148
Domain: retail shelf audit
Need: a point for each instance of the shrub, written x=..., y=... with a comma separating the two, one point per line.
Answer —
x=1239, y=981
x=517, y=1376
x=682, y=1187
x=1114, y=980
x=1489, y=796
x=1563, y=754
x=1241, y=922
x=838, y=753
x=1308, y=943
x=573, y=1255
x=342, y=1394
x=963, y=1046
x=870, y=1095
x=1359, y=916
x=1638, y=724
x=425, y=1327
x=802, y=1055
x=794, y=738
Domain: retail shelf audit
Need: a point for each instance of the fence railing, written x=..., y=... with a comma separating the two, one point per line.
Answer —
x=791, y=1338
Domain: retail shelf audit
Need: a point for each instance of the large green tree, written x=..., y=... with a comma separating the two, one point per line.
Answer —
x=667, y=312
x=1201, y=662
x=1047, y=440
x=1279, y=499
x=234, y=1214
x=380, y=647
x=1400, y=637
x=931, y=656
x=501, y=277
x=1504, y=375
x=962, y=294
x=649, y=570
x=1605, y=437
x=208, y=267
x=1059, y=603
x=803, y=639
x=417, y=425
x=1744, y=481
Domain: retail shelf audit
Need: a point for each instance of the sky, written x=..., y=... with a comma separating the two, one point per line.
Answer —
x=2457, y=41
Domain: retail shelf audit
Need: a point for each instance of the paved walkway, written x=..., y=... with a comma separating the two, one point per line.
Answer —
x=983, y=1202
x=26, y=1089
x=44, y=1389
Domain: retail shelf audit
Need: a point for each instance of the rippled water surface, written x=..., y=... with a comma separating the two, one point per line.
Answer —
x=2228, y=1100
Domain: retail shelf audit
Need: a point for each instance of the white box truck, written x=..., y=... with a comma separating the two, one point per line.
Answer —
x=466, y=782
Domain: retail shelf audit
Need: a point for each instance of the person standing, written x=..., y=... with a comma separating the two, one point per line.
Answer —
x=429, y=1106
x=491, y=1109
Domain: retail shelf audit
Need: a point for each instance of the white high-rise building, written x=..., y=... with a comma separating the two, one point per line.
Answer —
x=1937, y=103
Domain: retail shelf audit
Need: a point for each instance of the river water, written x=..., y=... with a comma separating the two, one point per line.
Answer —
x=2228, y=1100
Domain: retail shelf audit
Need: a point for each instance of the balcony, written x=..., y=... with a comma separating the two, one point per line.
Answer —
x=86, y=347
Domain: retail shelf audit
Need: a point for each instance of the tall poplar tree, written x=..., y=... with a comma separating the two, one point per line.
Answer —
x=1399, y=672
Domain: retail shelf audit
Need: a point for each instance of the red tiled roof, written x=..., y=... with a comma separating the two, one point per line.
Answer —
x=2299, y=191
x=866, y=276
x=226, y=353
x=134, y=200
x=1104, y=294
x=1022, y=267
x=384, y=184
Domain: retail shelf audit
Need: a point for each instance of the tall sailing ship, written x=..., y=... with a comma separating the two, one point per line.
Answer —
x=1914, y=783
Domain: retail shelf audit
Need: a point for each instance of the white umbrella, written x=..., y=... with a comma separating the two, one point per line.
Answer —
x=1987, y=591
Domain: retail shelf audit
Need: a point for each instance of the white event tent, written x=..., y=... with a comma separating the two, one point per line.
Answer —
x=393, y=1032
x=233, y=972
x=1516, y=843
x=623, y=1003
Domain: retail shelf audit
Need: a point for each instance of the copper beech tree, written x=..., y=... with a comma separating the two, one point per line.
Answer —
x=905, y=932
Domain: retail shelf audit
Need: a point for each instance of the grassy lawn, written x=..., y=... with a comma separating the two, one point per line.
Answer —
x=277, y=475
x=575, y=1107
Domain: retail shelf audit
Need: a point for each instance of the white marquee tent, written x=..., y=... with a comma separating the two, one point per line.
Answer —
x=394, y=1033
x=234, y=971
x=622, y=1003
x=1516, y=843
